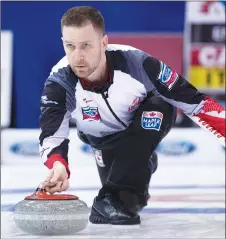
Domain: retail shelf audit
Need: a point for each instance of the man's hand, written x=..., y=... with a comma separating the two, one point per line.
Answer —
x=57, y=180
x=213, y=114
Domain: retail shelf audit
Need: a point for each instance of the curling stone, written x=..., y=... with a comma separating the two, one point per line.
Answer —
x=45, y=214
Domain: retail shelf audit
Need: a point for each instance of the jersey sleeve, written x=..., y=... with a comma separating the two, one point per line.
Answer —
x=54, y=121
x=170, y=85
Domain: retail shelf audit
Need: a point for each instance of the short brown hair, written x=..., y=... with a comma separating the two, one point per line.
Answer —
x=79, y=16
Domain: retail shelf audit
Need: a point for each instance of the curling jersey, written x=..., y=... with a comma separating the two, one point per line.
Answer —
x=102, y=112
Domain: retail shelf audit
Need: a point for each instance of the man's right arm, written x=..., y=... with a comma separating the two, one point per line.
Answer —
x=54, y=125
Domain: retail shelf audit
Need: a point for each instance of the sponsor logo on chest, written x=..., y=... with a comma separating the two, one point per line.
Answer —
x=90, y=114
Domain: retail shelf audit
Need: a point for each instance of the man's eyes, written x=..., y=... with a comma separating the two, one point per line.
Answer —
x=69, y=45
x=82, y=46
x=85, y=45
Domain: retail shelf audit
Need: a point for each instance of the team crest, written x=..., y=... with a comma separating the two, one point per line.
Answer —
x=167, y=76
x=151, y=120
x=90, y=114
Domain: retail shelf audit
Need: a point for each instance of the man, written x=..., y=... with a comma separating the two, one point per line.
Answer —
x=124, y=103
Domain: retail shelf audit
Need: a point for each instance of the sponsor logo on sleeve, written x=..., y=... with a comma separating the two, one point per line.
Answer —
x=45, y=100
x=167, y=76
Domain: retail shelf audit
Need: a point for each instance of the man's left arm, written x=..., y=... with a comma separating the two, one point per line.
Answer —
x=176, y=90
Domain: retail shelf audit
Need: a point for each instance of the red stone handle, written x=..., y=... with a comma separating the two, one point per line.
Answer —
x=41, y=194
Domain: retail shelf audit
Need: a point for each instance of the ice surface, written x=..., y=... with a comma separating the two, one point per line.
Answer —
x=152, y=226
x=187, y=202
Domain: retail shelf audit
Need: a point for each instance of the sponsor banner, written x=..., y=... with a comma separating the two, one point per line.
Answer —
x=176, y=147
x=180, y=146
x=185, y=146
x=19, y=145
x=204, y=46
x=6, y=77
x=192, y=146
x=22, y=146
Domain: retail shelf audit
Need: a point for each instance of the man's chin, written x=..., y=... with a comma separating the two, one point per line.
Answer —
x=81, y=74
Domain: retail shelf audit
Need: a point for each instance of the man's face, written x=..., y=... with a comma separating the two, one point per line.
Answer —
x=84, y=46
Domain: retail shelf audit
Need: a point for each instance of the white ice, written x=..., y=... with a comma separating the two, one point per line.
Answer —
x=188, y=187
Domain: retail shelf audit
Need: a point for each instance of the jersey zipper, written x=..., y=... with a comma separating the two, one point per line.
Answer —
x=109, y=107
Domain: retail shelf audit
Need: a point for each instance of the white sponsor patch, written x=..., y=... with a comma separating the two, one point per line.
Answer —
x=151, y=120
x=45, y=100
x=98, y=157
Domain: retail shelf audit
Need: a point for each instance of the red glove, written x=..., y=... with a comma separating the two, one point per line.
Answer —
x=57, y=157
x=214, y=114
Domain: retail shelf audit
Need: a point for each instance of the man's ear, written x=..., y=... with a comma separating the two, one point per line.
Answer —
x=105, y=41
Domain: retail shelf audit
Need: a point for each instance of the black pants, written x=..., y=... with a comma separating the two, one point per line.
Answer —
x=126, y=167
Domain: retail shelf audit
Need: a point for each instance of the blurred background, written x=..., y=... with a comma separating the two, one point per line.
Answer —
x=188, y=36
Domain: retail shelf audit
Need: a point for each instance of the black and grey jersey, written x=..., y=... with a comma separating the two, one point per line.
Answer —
x=101, y=112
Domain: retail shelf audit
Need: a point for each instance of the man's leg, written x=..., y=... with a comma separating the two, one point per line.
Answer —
x=104, y=160
x=151, y=138
x=131, y=170
x=131, y=199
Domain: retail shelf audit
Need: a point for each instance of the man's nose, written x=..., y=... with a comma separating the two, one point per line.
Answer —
x=77, y=55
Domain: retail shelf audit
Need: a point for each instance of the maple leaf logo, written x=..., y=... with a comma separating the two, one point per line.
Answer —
x=152, y=114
